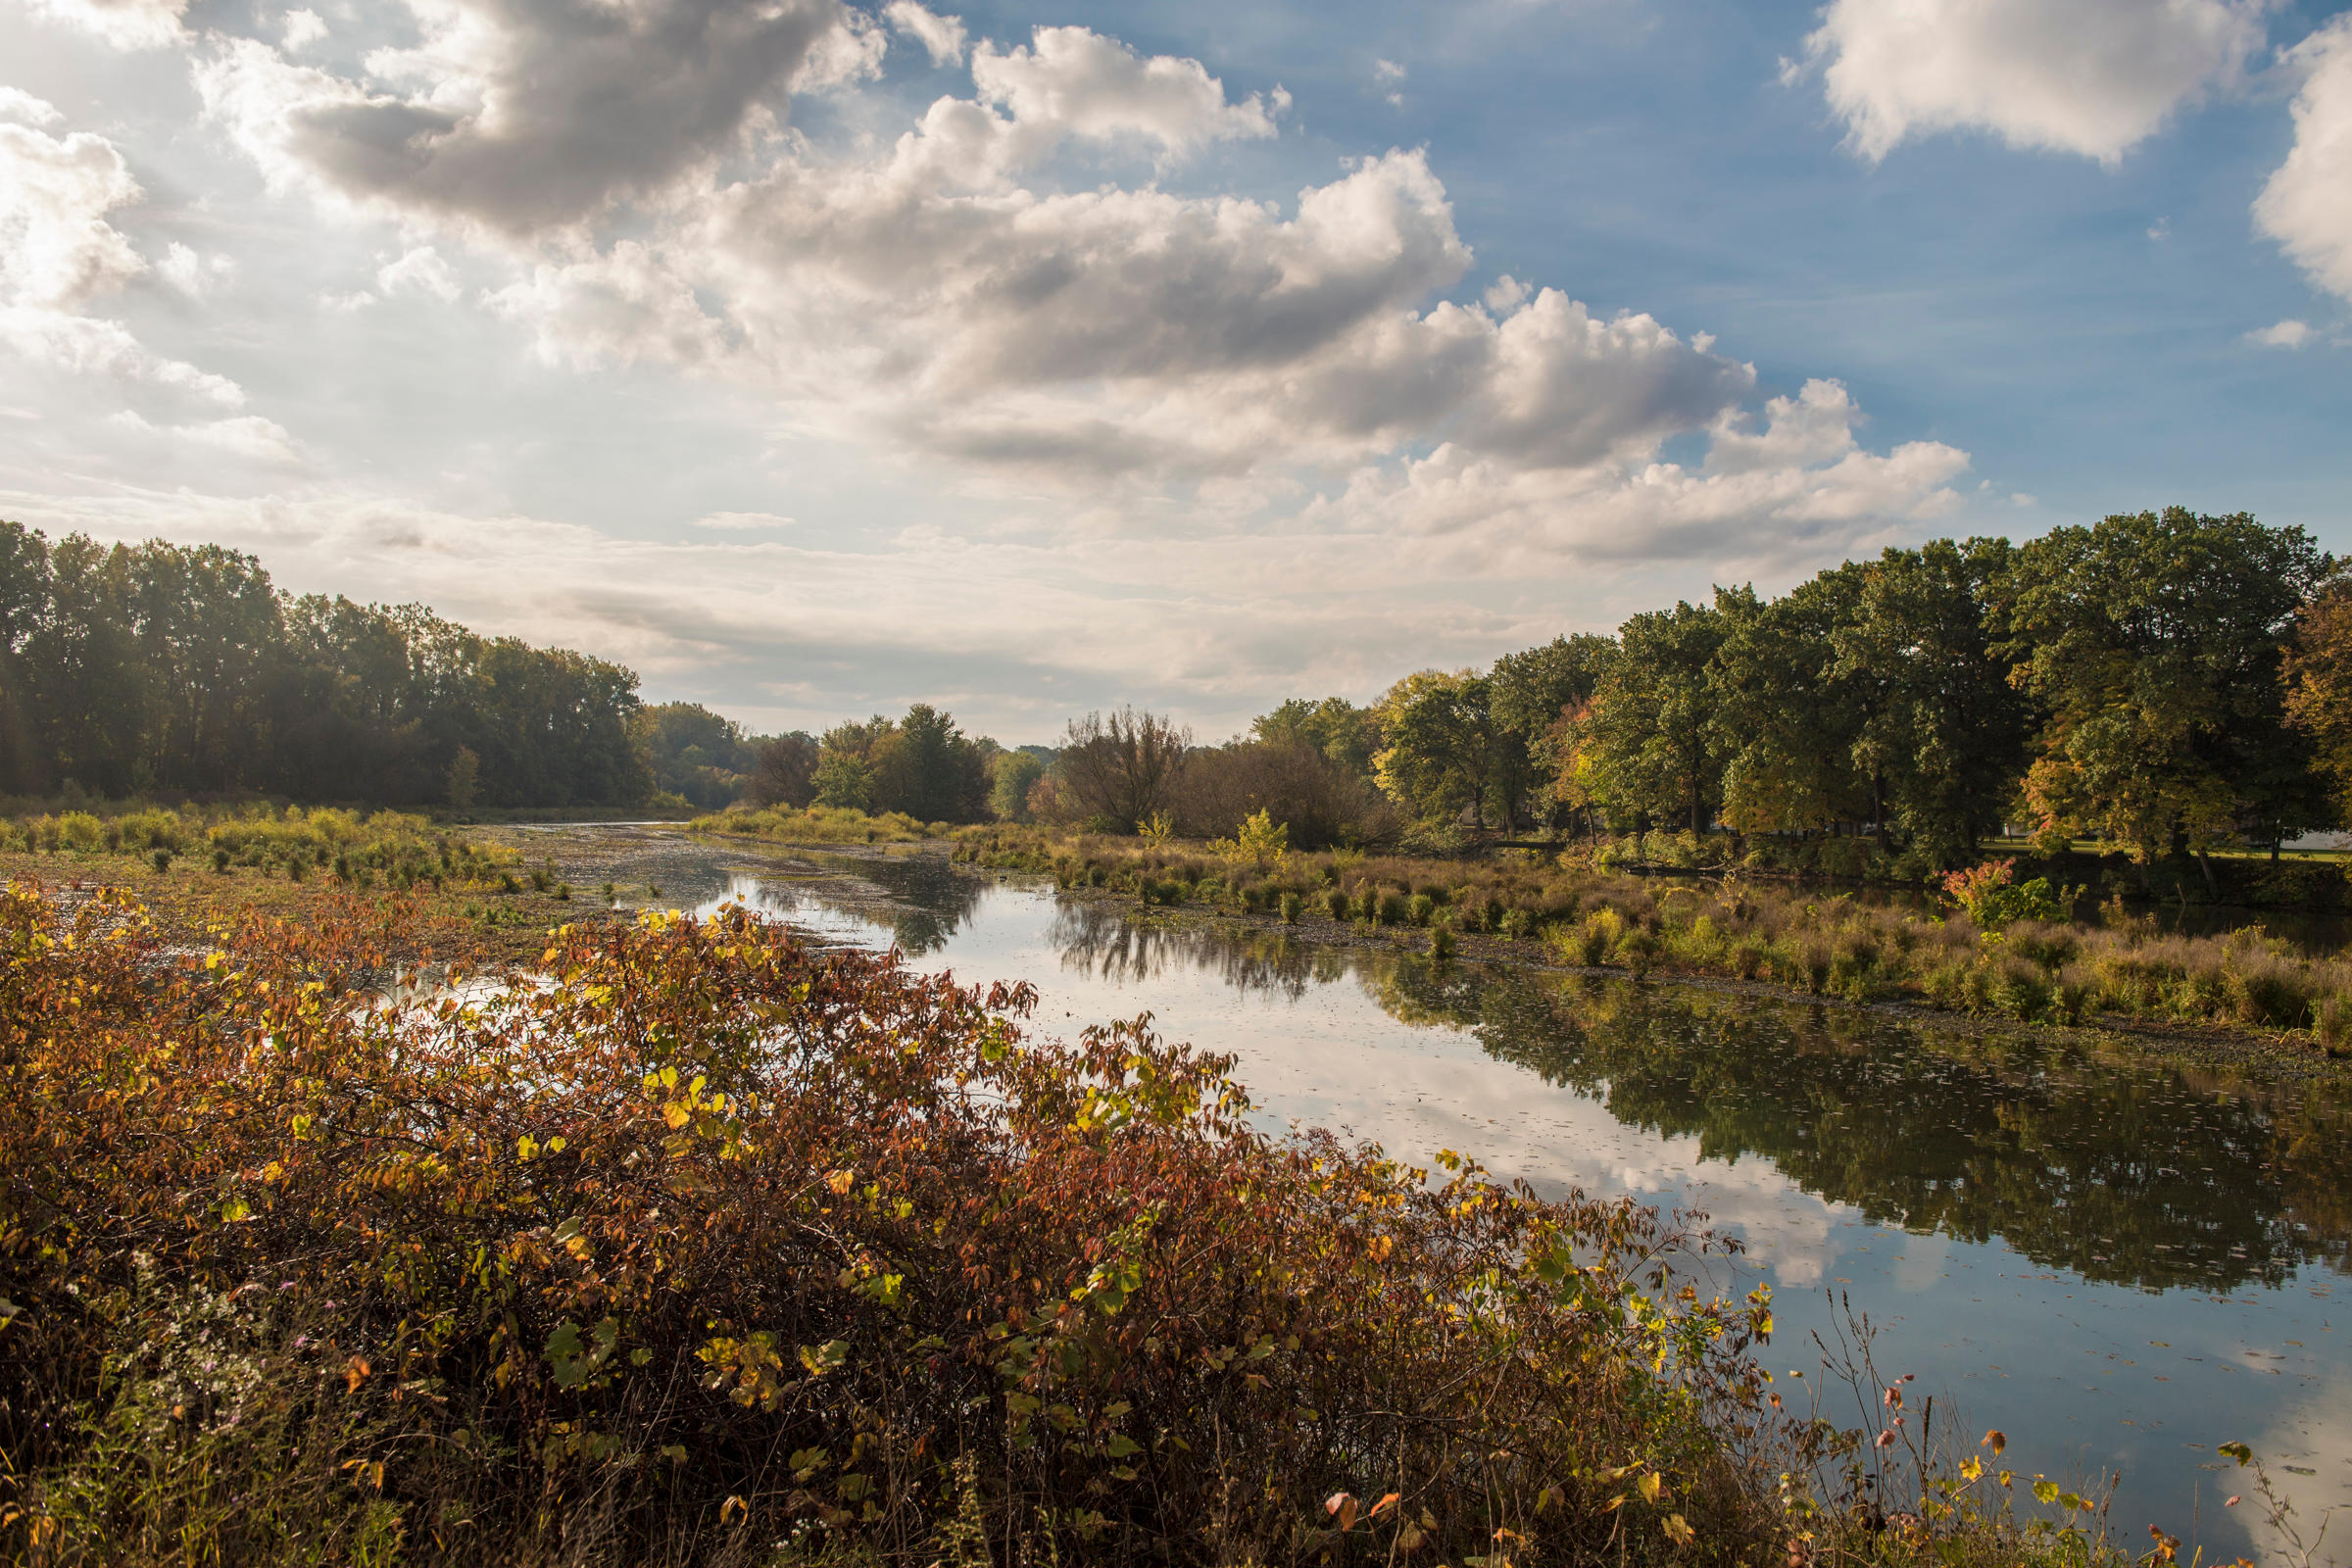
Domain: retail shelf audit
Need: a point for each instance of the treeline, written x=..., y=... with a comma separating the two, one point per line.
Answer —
x=135, y=669
x=2169, y=682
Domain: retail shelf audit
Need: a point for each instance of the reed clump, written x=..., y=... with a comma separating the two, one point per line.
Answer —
x=821, y=824
x=2023, y=959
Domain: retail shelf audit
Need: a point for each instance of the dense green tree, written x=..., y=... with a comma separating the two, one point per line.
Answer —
x=2153, y=646
x=1784, y=726
x=1013, y=776
x=1533, y=691
x=2318, y=675
x=153, y=667
x=1945, y=733
x=1440, y=748
x=1650, y=738
x=1345, y=733
x=783, y=772
x=693, y=752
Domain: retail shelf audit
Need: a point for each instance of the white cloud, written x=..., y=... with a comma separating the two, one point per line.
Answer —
x=303, y=27
x=190, y=273
x=245, y=437
x=1171, y=408
x=527, y=118
x=1387, y=73
x=622, y=307
x=1126, y=342
x=124, y=23
x=22, y=107
x=2087, y=77
x=419, y=270
x=59, y=251
x=80, y=345
x=743, y=521
x=2286, y=335
x=1081, y=83
x=57, y=248
x=942, y=37
x=2307, y=204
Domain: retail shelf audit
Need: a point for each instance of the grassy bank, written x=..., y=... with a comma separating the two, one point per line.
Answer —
x=821, y=824
x=1725, y=925
x=193, y=874
x=725, y=1249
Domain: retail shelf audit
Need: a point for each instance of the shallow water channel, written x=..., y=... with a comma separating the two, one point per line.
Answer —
x=2118, y=1263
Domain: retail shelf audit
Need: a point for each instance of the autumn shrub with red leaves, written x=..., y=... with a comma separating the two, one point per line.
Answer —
x=701, y=1245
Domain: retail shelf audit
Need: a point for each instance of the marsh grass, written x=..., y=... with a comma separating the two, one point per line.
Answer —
x=1844, y=946
x=821, y=824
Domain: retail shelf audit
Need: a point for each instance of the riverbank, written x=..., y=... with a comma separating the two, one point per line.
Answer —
x=2242, y=995
x=580, y=1277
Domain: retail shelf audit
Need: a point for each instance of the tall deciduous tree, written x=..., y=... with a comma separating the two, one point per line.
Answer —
x=1439, y=744
x=1121, y=768
x=1533, y=691
x=1783, y=726
x=1650, y=737
x=783, y=772
x=2153, y=644
x=1943, y=733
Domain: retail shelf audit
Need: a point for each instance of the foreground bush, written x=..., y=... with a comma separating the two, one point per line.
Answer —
x=716, y=1245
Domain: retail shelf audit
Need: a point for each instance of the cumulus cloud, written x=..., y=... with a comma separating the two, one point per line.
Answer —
x=247, y=437
x=1297, y=373
x=303, y=27
x=938, y=294
x=527, y=118
x=190, y=273
x=23, y=107
x=942, y=37
x=2307, y=204
x=743, y=521
x=419, y=270
x=2286, y=335
x=57, y=248
x=1081, y=83
x=59, y=251
x=84, y=346
x=2087, y=77
x=124, y=23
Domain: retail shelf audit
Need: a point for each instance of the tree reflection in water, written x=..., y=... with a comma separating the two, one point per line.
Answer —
x=1117, y=946
x=2124, y=1171
x=922, y=899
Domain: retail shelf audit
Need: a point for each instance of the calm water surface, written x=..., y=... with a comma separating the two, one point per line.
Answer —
x=2121, y=1265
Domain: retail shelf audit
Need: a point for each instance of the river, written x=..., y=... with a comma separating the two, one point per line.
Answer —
x=2120, y=1264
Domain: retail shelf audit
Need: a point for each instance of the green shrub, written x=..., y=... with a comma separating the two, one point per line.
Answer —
x=1293, y=906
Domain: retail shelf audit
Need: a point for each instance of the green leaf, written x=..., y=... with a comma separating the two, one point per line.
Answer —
x=1121, y=1445
x=2045, y=1492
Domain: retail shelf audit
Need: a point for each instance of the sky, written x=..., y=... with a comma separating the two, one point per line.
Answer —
x=813, y=357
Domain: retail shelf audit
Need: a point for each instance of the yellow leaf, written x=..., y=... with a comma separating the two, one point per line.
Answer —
x=1650, y=1485
x=1679, y=1531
